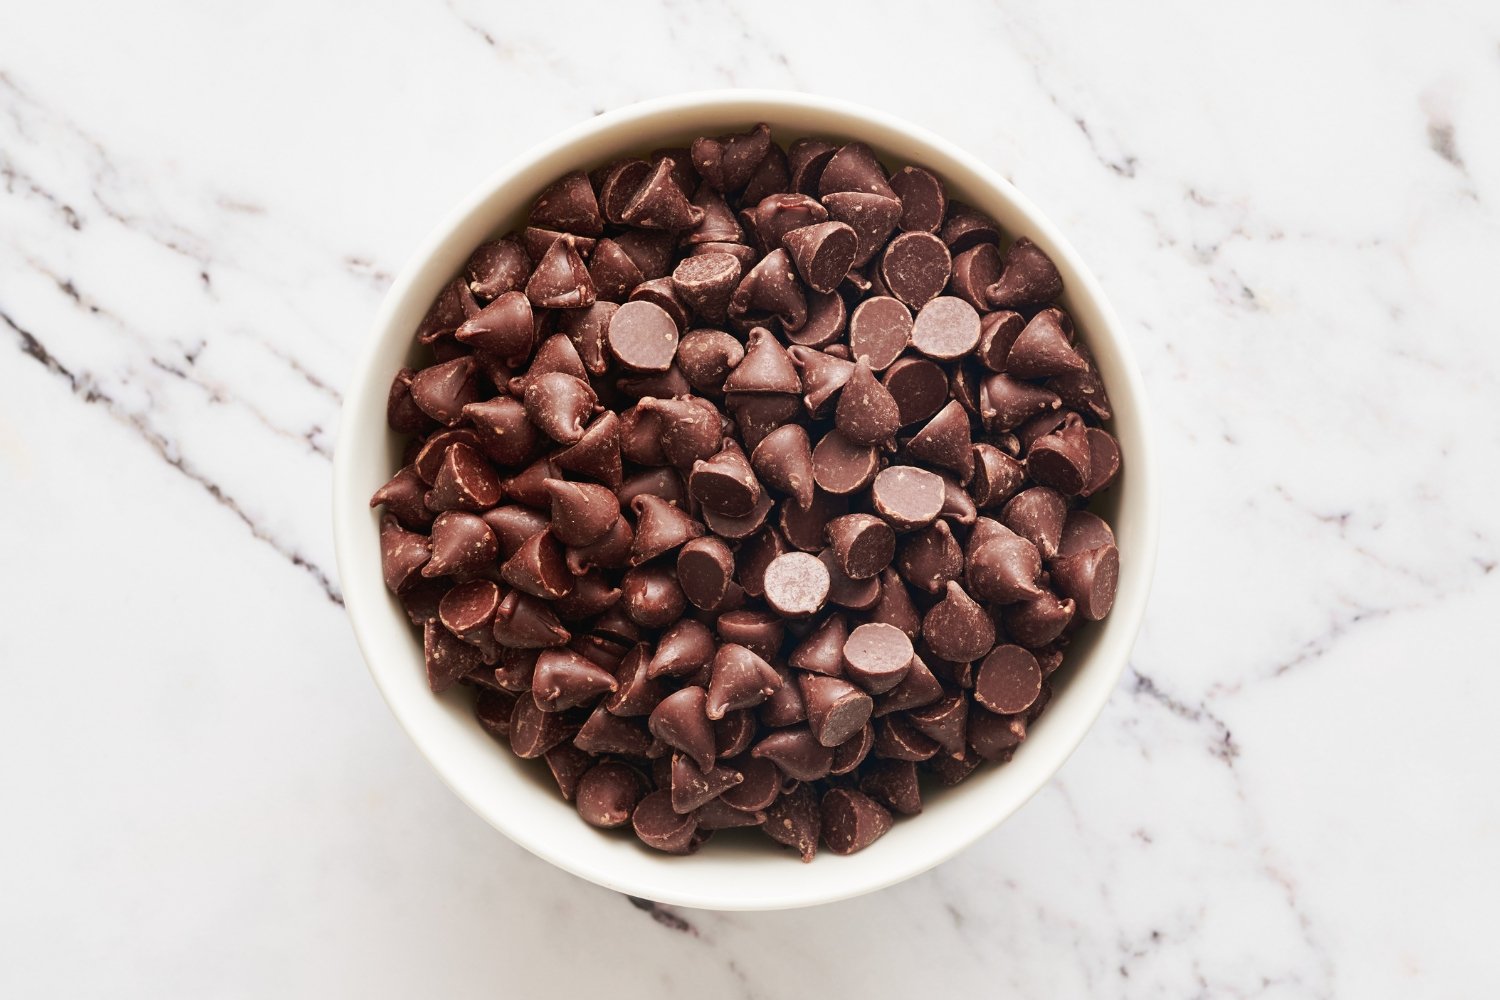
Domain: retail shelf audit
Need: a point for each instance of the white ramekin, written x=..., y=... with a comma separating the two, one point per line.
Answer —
x=521, y=800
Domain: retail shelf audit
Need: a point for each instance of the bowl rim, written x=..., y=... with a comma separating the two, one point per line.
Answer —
x=366, y=597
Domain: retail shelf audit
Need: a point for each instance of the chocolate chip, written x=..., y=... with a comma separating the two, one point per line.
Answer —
x=461, y=543
x=915, y=267
x=866, y=413
x=822, y=376
x=893, y=783
x=533, y=732
x=1037, y=515
x=446, y=657
x=930, y=557
x=966, y=227
x=771, y=290
x=681, y=721
x=784, y=461
x=850, y=754
x=691, y=429
x=877, y=656
x=581, y=512
x=908, y=497
x=836, y=709
x=496, y=268
x=568, y=205
x=863, y=544
x=919, y=386
x=1009, y=680
x=957, y=628
x=796, y=753
x=822, y=651
x=728, y=162
x=1083, y=532
x=945, y=442
x=739, y=679
x=611, y=551
x=660, y=203
x=659, y=826
x=785, y=707
x=873, y=217
x=607, y=794
x=840, y=466
x=725, y=484
x=1005, y=570
x=464, y=481
x=684, y=648
x=855, y=168
x=564, y=679
x=858, y=595
x=897, y=739
x=879, y=330
x=642, y=337
x=1089, y=579
x=443, y=390
x=561, y=279
x=974, y=271
x=823, y=253
x=796, y=585
x=1037, y=622
x=766, y=368
x=827, y=318
x=945, y=721
x=651, y=596
x=692, y=787
x=895, y=606
x=795, y=821
x=1104, y=461
x=946, y=328
x=454, y=304
x=1005, y=402
x=1027, y=278
x=760, y=632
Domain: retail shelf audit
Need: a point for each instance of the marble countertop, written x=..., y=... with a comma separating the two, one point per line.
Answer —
x=1293, y=792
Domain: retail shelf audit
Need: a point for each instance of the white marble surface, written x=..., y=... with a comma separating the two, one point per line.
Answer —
x=1293, y=792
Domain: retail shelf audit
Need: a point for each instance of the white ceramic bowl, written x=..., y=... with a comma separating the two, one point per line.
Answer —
x=747, y=873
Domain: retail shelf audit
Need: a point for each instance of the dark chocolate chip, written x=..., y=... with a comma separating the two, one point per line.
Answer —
x=651, y=596
x=957, y=628
x=908, y=497
x=660, y=203
x=1027, y=278
x=823, y=253
x=533, y=732
x=739, y=679
x=919, y=386
x=867, y=413
x=659, y=826
x=795, y=821
x=796, y=584
x=796, y=752
x=967, y=227
x=681, y=721
x=683, y=649
x=783, y=459
x=842, y=467
x=822, y=651
x=497, y=267
x=561, y=279
x=443, y=390
x=1009, y=680
x=863, y=544
x=915, y=267
x=880, y=329
x=930, y=557
x=728, y=162
x=705, y=569
x=725, y=484
x=1038, y=621
x=855, y=168
x=564, y=679
x=946, y=328
x=608, y=792
x=873, y=217
x=877, y=656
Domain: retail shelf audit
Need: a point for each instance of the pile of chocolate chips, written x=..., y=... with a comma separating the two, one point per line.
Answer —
x=746, y=486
